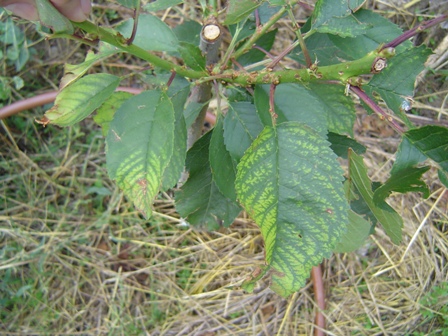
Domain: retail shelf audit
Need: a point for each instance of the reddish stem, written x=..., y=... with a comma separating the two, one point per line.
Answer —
x=319, y=295
x=414, y=31
x=378, y=110
x=49, y=97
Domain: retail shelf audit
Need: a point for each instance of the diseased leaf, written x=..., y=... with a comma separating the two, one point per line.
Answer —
x=432, y=141
x=293, y=102
x=76, y=71
x=152, y=33
x=221, y=162
x=200, y=200
x=105, y=114
x=386, y=216
x=160, y=5
x=50, y=17
x=340, y=144
x=241, y=127
x=358, y=230
x=288, y=183
x=335, y=17
x=237, y=10
x=140, y=146
x=408, y=180
x=79, y=100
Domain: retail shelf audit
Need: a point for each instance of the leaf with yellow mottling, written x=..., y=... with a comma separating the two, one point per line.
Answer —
x=140, y=146
x=287, y=182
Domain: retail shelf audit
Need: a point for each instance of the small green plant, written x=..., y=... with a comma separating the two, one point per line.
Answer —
x=275, y=145
x=435, y=306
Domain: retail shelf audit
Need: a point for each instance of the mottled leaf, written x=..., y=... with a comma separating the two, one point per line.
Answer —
x=77, y=101
x=288, y=183
x=105, y=114
x=140, y=146
x=73, y=72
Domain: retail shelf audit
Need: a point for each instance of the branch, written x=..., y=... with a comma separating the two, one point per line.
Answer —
x=120, y=42
x=414, y=31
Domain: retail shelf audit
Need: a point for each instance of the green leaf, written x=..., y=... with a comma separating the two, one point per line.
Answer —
x=241, y=127
x=189, y=32
x=340, y=144
x=407, y=156
x=408, y=180
x=152, y=33
x=10, y=33
x=432, y=141
x=74, y=72
x=221, y=162
x=398, y=79
x=237, y=10
x=443, y=177
x=140, y=146
x=178, y=95
x=105, y=114
x=288, y=183
x=129, y=3
x=79, y=100
x=255, y=55
x=199, y=200
x=160, y=5
x=381, y=31
x=335, y=17
x=358, y=230
x=322, y=50
x=293, y=102
x=50, y=17
x=339, y=108
x=388, y=218
x=192, y=56
x=191, y=112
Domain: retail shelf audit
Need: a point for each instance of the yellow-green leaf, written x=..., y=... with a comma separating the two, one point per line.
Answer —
x=290, y=183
